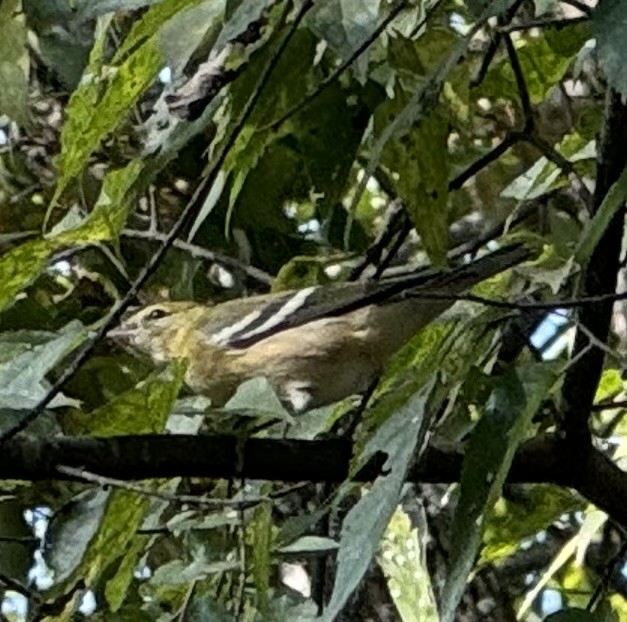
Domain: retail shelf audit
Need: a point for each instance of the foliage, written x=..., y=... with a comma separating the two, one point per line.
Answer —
x=280, y=145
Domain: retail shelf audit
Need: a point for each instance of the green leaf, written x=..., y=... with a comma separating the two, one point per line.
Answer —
x=611, y=384
x=108, y=218
x=422, y=183
x=364, y=525
x=511, y=521
x=23, y=264
x=27, y=356
x=544, y=61
x=20, y=266
x=151, y=22
x=143, y=410
x=507, y=416
x=345, y=25
x=101, y=102
x=261, y=530
x=402, y=559
x=14, y=62
x=613, y=201
x=117, y=587
x=309, y=544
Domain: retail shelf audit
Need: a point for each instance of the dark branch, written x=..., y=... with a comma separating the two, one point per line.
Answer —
x=582, y=378
x=157, y=456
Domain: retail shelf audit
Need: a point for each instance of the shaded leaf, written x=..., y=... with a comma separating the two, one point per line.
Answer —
x=507, y=415
x=608, y=21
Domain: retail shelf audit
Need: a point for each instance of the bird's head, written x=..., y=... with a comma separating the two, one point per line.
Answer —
x=161, y=330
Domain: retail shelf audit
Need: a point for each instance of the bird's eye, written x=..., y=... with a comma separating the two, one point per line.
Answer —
x=157, y=314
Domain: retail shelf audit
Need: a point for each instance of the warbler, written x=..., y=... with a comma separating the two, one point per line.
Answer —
x=316, y=345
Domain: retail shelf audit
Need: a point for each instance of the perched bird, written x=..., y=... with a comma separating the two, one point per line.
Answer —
x=316, y=345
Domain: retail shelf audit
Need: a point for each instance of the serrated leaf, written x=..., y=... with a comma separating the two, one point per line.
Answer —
x=85, y=129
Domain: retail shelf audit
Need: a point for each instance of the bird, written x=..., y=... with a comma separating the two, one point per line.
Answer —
x=316, y=345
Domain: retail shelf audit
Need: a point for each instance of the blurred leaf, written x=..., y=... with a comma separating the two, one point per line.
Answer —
x=20, y=266
x=345, y=25
x=593, y=521
x=511, y=521
x=14, y=62
x=403, y=561
x=179, y=572
x=255, y=398
x=607, y=26
x=544, y=60
x=506, y=418
x=64, y=38
x=108, y=537
x=611, y=384
x=87, y=8
x=27, y=356
x=151, y=22
x=581, y=615
x=79, y=111
x=261, y=530
x=309, y=544
x=16, y=550
x=72, y=529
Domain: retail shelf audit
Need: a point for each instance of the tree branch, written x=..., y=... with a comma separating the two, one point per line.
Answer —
x=126, y=458
x=582, y=378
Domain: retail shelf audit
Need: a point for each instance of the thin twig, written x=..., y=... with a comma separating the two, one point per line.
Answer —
x=611, y=405
x=478, y=165
x=493, y=45
x=331, y=78
x=204, y=253
x=605, y=579
x=544, y=23
x=521, y=85
x=101, y=480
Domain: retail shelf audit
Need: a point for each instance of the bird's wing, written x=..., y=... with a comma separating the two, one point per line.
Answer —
x=295, y=308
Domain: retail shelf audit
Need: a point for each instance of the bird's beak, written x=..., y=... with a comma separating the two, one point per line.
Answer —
x=122, y=333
